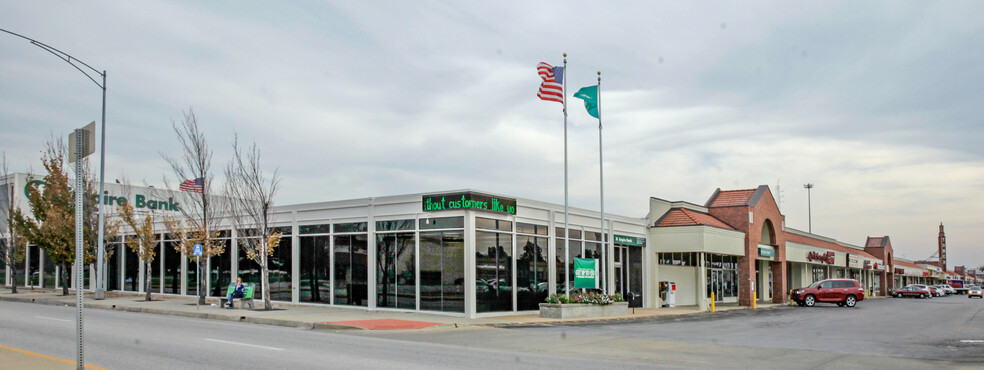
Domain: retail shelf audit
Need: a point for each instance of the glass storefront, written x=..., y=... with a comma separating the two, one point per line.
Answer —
x=281, y=269
x=819, y=273
x=220, y=269
x=351, y=279
x=172, y=267
x=396, y=268
x=493, y=268
x=34, y=266
x=113, y=264
x=442, y=262
x=131, y=269
x=315, y=269
x=531, y=270
x=49, y=271
x=722, y=276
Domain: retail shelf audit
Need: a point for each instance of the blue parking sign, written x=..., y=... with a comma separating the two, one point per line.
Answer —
x=198, y=250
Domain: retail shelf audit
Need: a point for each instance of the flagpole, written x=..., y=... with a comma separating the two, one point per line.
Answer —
x=567, y=231
x=601, y=175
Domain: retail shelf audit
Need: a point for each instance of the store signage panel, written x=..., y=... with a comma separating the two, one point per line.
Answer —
x=899, y=271
x=827, y=258
x=630, y=241
x=468, y=201
x=853, y=261
x=766, y=252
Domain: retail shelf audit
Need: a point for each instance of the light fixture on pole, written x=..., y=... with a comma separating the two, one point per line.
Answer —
x=100, y=292
x=809, y=207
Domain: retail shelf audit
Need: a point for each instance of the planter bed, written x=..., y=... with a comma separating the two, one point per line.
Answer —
x=582, y=310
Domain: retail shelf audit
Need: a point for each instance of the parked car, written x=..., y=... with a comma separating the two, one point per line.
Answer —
x=975, y=291
x=912, y=291
x=937, y=291
x=932, y=292
x=843, y=292
x=948, y=289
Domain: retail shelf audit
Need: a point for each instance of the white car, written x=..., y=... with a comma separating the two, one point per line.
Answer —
x=948, y=289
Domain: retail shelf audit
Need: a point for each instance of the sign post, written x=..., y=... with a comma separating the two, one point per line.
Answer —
x=198, y=270
x=81, y=144
x=585, y=273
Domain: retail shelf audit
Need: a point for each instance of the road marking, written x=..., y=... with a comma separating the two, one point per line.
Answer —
x=87, y=366
x=243, y=344
x=972, y=341
x=52, y=318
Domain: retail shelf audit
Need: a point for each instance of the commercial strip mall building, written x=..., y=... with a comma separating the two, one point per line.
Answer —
x=476, y=253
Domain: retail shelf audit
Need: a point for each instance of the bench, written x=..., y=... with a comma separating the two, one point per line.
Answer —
x=247, y=298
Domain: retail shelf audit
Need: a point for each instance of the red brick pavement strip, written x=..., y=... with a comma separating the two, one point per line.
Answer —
x=385, y=324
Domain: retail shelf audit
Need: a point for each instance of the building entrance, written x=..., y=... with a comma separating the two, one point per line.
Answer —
x=628, y=274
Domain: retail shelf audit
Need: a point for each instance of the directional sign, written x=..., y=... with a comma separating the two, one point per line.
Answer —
x=198, y=250
x=87, y=141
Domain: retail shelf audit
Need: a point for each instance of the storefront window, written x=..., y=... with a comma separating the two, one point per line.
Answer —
x=442, y=273
x=493, y=271
x=315, y=269
x=531, y=271
x=49, y=271
x=34, y=266
x=220, y=269
x=396, y=270
x=351, y=275
x=172, y=268
x=281, y=268
x=131, y=269
x=722, y=276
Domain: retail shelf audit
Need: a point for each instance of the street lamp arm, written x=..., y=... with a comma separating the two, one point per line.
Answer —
x=63, y=56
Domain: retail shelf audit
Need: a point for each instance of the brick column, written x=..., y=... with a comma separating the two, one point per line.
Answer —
x=779, y=288
x=746, y=275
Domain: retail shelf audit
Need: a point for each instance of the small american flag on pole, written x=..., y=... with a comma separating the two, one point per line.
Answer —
x=192, y=186
x=552, y=88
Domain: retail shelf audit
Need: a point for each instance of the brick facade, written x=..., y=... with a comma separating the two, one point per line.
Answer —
x=881, y=247
x=734, y=208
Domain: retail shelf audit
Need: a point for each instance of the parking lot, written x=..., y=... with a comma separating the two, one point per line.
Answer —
x=906, y=332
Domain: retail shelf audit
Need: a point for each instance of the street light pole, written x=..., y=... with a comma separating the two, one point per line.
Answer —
x=809, y=207
x=100, y=273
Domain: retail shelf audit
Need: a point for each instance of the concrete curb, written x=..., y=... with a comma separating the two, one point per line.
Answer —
x=703, y=315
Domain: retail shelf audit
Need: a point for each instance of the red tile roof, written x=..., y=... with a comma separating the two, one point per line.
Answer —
x=874, y=242
x=686, y=217
x=731, y=198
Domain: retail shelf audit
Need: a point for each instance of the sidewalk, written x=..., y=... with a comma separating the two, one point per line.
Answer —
x=319, y=317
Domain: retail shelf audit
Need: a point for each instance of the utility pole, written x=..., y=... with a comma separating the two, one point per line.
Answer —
x=809, y=207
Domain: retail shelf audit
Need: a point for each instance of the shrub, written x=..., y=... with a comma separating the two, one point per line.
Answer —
x=585, y=298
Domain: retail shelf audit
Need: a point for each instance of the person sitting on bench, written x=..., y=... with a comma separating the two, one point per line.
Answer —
x=238, y=293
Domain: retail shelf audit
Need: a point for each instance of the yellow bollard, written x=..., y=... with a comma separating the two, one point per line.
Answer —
x=713, y=308
x=754, y=301
x=791, y=302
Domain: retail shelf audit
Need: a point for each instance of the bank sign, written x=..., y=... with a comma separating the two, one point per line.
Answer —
x=586, y=273
x=630, y=241
x=140, y=201
x=468, y=201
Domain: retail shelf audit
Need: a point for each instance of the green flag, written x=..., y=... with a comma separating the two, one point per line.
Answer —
x=590, y=96
x=586, y=273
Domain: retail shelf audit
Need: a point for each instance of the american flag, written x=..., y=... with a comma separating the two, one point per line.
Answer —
x=552, y=88
x=192, y=186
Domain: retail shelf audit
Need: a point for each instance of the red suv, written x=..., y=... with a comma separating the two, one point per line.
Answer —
x=843, y=292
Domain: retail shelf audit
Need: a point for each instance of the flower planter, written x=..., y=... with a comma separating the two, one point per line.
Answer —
x=580, y=310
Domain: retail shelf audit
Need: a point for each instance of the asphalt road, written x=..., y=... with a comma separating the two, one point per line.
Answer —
x=123, y=340
x=884, y=333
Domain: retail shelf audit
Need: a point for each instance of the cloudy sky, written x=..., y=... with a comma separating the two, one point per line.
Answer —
x=877, y=104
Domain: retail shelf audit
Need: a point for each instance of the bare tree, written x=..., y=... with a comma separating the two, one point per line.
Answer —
x=200, y=214
x=12, y=244
x=250, y=196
